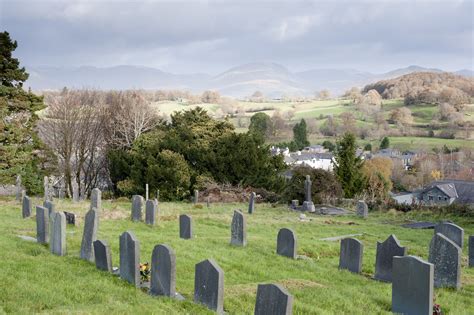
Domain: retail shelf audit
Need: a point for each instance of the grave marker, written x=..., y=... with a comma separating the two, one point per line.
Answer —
x=384, y=257
x=252, y=202
x=96, y=199
x=351, y=255
x=273, y=299
x=362, y=209
x=185, y=226
x=163, y=271
x=103, y=260
x=445, y=255
x=129, y=258
x=42, y=225
x=151, y=208
x=137, y=207
x=238, y=229
x=286, y=243
x=209, y=285
x=91, y=224
x=451, y=231
x=58, y=235
x=26, y=207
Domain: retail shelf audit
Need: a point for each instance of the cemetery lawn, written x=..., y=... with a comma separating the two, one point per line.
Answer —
x=33, y=280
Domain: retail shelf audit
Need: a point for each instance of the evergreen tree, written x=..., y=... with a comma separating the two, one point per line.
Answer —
x=260, y=125
x=385, y=144
x=300, y=135
x=11, y=75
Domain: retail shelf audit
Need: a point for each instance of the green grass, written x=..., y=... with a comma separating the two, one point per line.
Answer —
x=33, y=280
x=409, y=143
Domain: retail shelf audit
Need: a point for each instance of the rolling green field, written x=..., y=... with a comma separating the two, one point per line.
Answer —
x=33, y=280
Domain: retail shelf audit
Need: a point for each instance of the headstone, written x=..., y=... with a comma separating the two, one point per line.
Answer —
x=307, y=188
x=273, y=299
x=150, y=212
x=238, y=229
x=185, y=226
x=294, y=204
x=208, y=202
x=96, y=199
x=26, y=207
x=103, y=260
x=196, y=196
x=75, y=191
x=42, y=225
x=157, y=194
x=146, y=192
x=46, y=188
x=352, y=251
x=362, y=209
x=137, y=207
x=412, y=286
x=209, y=285
x=471, y=251
x=91, y=224
x=49, y=205
x=384, y=257
x=452, y=231
x=445, y=255
x=129, y=258
x=252, y=202
x=308, y=206
x=286, y=243
x=58, y=235
x=163, y=271
x=18, y=188
x=70, y=217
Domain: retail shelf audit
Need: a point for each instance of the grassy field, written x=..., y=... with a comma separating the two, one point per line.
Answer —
x=33, y=280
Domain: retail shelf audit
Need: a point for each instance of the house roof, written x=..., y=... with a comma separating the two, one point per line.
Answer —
x=463, y=188
x=310, y=156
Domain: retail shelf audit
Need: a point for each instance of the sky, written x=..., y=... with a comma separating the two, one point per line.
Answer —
x=212, y=36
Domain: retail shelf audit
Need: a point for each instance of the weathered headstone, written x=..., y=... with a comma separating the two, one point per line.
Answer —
x=129, y=258
x=185, y=226
x=163, y=271
x=362, y=209
x=49, y=205
x=294, y=204
x=151, y=208
x=18, y=188
x=96, y=199
x=196, y=196
x=308, y=204
x=209, y=285
x=286, y=243
x=137, y=207
x=412, y=286
x=252, y=202
x=103, y=260
x=42, y=225
x=273, y=299
x=58, y=234
x=91, y=224
x=46, y=191
x=26, y=207
x=146, y=192
x=70, y=217
x=238, y=229
x=384, y=257
x=452, y=231
x=471, y=251
x=351, y=255
x=445, y=255
x=75, y=191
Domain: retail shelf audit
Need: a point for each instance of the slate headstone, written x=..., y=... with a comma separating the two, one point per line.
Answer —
x=445, y=255
x=58, y=234
x=70, y=217
x=146, y=192
x=26, y=207
x=352, y=251
x=42, y=225
x=412, y=286
x=294, y=204
x=209, y=285
x=18, y=188
x=185, y=226
x=46, y=191
x=103, y=260
x=238, y=229
x=151, y=208
x=91, y=224
x=137, y=207
x=252, y=202
x=49, y=205
x=384, y=257
x=451, y=231
x=75, y=191
x=129, y=258
x=362, y=209
x=273, y=299
x=471, y=251
x=286, y=243
x=196, y=196
x=96, y=199
x=163, y=271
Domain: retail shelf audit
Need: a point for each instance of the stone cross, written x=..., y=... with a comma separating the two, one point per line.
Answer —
x=445, y=255
x=307, y=188
x=26, y=207
x=91, y=224
x=471, y=251
x=163, y=271
x=287, y=243
x=185, y=226
x=209, y=285
x=75, y=191
x=96, y=199
x=146, y=192
x=18, y=188
x=50, y=206
x=384, y=257
x=412, y=286
x=151, y=209
x=58, y=235
x=238, y=233
x=196, y=196
x=42, y=225
x=451, y=231
x=103, y=260
x=352, y=252
x=252, y=202
x=137, y=207
x=273, y=299
x=130, y=258
x=362, y=209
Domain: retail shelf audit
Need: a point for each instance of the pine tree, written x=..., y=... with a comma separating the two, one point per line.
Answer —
x=300, y=135
x=385, y=143
x=11, y=75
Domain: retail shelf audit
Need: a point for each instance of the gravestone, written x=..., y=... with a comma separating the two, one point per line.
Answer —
x=445, y=255
x=146, y=192
x=308, y=204
x=75, y=191
x=129, y=258
x=286, y=243
x=96, y=199
x=208, y=202
x=151, y=208
x=185, y=226
x=91, y=224
x=18, y=188
x=70, y=217
x=26, y=207
x=452, y=231
x=103, y=260
x=42, y=225
x=196, y=196
x=351, y=255
x=273, y=299
x=46, y=191
x=58, y=234
x=163, y=271
x=238, y=229
x=49, y=205
x=471, y=251
x=412, y=286
x=209, y=285
x=384, y=257
x=362, y=209
x=294, y=204
x=137, y=207
x=252, y=202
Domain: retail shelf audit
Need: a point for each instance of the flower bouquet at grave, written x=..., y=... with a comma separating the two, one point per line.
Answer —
x=145, y=270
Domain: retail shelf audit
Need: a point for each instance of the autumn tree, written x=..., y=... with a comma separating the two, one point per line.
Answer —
x=401, y=116
x=353, y=94
x=324, y=94
x=377, y=173
x=210, y=97
x=370, y=103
